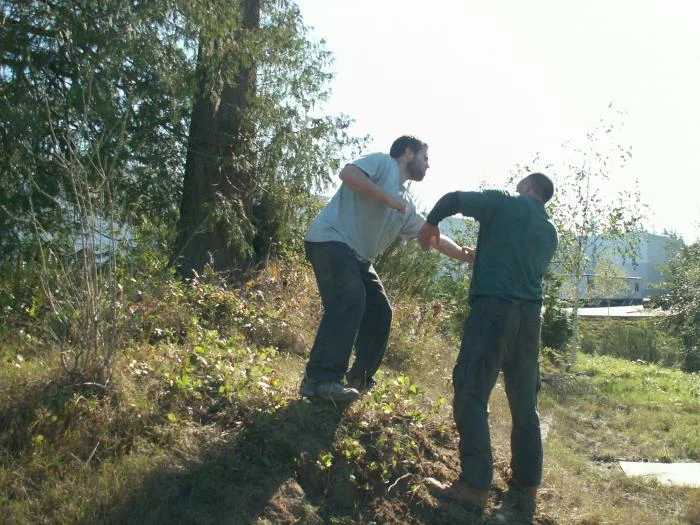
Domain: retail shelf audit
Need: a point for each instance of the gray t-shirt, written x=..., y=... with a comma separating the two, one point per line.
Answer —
x=364, y=224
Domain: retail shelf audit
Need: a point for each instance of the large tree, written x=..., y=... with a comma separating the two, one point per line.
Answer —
x=106, y=89
x=96, y=103
x=257, y=147
x=92, y=113
x=94, y=97
x=214, y=226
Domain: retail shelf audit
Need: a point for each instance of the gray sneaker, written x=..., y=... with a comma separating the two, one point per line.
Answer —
x=307, y=388
x=336, y=392
x=328, y=391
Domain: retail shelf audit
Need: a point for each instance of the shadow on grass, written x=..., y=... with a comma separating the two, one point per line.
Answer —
x=235, y=482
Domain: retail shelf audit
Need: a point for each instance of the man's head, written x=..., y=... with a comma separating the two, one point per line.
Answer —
x=414, y=153
x=536, y=185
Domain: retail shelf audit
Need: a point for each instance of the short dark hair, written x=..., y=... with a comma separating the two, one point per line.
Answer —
x=544, y=187
x=406, y=141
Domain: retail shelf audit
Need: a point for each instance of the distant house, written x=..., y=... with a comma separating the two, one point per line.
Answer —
x=655, y=253
x=628, y=291
x=643, y=277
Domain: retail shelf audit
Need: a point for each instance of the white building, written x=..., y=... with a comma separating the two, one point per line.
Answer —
x=642, y=277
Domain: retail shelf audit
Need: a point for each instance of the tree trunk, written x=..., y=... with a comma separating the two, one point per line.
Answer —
x=214, y=228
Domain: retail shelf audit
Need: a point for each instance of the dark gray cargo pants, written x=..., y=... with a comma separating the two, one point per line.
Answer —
x=356, y=312
x=499, y=334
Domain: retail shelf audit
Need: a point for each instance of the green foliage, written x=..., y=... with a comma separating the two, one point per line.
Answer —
x=556, y=329
x=92, y=123
x=406, y=269
x=296, y=148
x=453, y=297
x=395, y=414
x=556, y=322
x=454, y=279
x=98, y=101
x=96, y=105
x=636, y=340
x=682, y=280
x=101, y=86
x=258, y=146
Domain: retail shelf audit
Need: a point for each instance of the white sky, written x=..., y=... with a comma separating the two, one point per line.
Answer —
x=489, y=84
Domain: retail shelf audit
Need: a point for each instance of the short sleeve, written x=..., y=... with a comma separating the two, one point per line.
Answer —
x=374, y=165
x=413, y=224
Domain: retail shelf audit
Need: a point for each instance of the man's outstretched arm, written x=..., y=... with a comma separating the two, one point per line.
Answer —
x=447, y=246
x=429, y=234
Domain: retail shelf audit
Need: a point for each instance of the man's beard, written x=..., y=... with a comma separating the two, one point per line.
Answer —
x=414, y=171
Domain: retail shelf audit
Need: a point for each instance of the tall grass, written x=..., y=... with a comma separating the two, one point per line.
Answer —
x=640, y=339
x=202, y=422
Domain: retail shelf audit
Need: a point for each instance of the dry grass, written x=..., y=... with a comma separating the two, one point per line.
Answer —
x=201, y=423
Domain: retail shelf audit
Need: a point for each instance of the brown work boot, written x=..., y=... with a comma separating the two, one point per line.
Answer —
x=470, y=498
x=518, y=506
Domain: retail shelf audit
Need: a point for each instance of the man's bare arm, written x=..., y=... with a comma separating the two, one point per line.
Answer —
x=358, y=182
x=447, y=246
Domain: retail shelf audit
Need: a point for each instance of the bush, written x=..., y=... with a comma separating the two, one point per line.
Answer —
x=556, y=328
x=637, y=340
x=437, y=281
x=691, y=358
x=682, y=280
x=405, y=269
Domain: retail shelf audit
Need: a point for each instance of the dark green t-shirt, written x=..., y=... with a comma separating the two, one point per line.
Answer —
x=516, y=243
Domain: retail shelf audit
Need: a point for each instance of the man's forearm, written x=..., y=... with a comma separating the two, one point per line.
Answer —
x=448, y=247
x=358, y=182
x=445, y=207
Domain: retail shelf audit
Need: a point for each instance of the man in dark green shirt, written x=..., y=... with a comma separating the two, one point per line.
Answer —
x=516, y=243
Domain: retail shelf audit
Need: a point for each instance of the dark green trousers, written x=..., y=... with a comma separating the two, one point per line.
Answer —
x=499, y=334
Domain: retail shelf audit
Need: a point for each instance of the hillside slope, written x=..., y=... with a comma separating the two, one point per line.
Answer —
x=201, y=423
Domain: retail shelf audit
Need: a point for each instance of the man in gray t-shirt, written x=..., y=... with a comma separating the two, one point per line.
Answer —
x=369, y=210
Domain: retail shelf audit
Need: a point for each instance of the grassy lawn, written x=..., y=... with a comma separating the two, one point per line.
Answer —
x=611, y=409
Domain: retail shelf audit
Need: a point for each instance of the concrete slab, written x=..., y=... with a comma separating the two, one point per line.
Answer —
x=618, y=311
x=667, y=473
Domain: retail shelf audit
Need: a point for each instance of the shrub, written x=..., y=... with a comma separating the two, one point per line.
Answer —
x=405, y=269
x=682, y=280
x=556, y=328
x=638, y=340
x=440, y=283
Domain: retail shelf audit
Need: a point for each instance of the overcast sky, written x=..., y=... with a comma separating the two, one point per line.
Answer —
x=490, y=84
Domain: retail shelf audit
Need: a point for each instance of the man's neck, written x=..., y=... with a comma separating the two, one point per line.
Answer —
x=403, y=170
x=533, y=197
